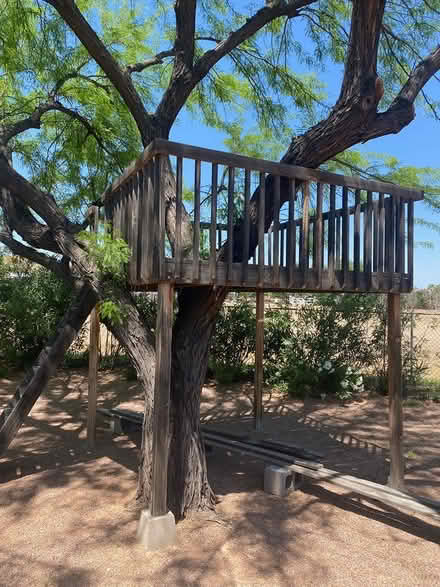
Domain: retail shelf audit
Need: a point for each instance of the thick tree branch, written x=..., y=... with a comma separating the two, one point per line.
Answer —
x=401, y=111
x=185, y=11
x=360, y=72
x=181, y=85
x=121, y=80
x=60, y=268
x=43, y=204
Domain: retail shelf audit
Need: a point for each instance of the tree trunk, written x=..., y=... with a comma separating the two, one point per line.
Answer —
x=188, y=486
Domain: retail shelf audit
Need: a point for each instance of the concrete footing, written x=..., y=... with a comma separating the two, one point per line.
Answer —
x=278, y=480
x=116, y=426
x=156, y=532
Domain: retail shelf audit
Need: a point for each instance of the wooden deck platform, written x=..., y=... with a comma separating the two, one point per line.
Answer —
x=196, y=216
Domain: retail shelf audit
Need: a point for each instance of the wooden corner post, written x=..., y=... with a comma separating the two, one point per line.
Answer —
x=259, y=351
x=161, y=409
x=93, y=361
x=397, y=465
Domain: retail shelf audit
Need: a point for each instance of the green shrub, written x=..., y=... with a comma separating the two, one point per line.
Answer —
x=233, y=342
x=32, y=301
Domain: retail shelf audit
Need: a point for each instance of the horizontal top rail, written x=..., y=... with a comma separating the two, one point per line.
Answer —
x=164, y=147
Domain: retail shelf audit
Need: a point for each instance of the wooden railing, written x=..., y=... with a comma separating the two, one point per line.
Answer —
x=198, y=216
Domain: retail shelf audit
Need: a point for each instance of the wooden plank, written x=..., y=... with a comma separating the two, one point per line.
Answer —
x=318, y=235
x=357, y=236
x=261, y=219
x=161, y=407
x=259, y=354
x=400, y=235
x=389, y=233
x=159, y=220
x=93, y=362
x=282, y=248
x=291, y=235
x=134, y=228
x=276, y=231
x=213, y=224
x=140, y=225
x=331, y=233
x=382, y=282
x=345, y=233
x=338, y=242
x=179, y=210
x=373, y=491
x=368, y=235
x=397, y=466
x=246, y=219
x=381, y=235
x=375, y=235
x=151, y=216
x=230, y=245
x=304, y=251
x=196, y=225
x=411, y=242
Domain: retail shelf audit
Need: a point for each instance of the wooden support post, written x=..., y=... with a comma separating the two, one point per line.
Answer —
x=93, y=362
x=259, y=351
x=161, y=409
x=397, y=467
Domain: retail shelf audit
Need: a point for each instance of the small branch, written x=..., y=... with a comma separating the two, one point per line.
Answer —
x=60, y=268
x=156, y=60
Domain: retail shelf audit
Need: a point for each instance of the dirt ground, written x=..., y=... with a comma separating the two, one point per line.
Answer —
x=68, y=517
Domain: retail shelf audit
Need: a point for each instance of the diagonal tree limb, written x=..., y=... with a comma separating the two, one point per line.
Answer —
x=60, y=268
x=70, y=13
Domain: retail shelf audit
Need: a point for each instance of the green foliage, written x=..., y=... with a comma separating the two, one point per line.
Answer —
x=32, y=301
x=109, y=254
x=330, y=343
x=233, y=342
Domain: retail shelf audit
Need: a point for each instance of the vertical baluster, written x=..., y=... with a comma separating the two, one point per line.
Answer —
x=338, y=240
x=381, y=235
x=367, y=240
x=213, y=226
x=135, y=222
x=291, y=241
x=196, y=229
x=331, y=237
x=389, y=236
x=411, y=242
x=230, y=251
x=400, y=234
x=345, y=235
x=317, y=237
x=261, y=218
x=269, y=246
x=282, y=249
x=276, y=232
x=160, y=167
x=246, y=228
x=357, y=238
x=141, y=228
x=179, y=209
x=304, y=253
x=375, y=235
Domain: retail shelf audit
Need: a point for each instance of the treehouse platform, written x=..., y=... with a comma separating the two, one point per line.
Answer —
x=197, y=217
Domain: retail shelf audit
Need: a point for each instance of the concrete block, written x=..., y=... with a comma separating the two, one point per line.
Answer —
x=156, y=532
x=116, y=426
x=278, y=480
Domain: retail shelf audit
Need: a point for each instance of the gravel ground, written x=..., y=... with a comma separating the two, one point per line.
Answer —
x=68, y=515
